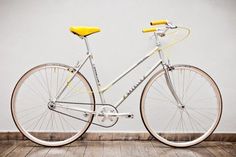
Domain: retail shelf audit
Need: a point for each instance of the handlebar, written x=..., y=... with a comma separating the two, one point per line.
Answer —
x=161, y=32
x=168, y=24
x=146, y=30
x=158, y=22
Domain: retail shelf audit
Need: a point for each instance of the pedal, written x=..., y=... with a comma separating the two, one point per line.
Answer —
x=130, y=116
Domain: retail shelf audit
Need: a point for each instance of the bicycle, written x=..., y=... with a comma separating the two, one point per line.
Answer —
x=53, y=104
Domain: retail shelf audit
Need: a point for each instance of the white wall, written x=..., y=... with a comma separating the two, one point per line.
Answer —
x=34, y=32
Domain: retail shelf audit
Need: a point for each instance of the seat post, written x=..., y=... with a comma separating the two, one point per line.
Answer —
x=87, y=45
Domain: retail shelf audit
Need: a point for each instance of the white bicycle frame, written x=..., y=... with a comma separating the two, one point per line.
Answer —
x=102, y=90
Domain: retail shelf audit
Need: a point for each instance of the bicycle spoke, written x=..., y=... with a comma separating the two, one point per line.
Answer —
x=40, y=82
x=43, y=120
x=162, y=100
x=49, y=91
x=194, y=93
x=203, y=115
x=37, y=93
x=162, y=94
x=182, y=98
x=71, y=90
x=171, y=120
x=36, y=124
x=29, y=109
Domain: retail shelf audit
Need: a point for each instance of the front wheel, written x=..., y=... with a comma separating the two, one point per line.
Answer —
x=187, y=125
x=47, y=123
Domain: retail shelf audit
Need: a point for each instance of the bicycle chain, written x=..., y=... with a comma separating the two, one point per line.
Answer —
x=93, y=115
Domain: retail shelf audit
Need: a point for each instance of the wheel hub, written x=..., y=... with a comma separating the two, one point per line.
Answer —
x=51, y=105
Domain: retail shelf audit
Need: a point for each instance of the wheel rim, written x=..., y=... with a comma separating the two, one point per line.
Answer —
x=171, y=124
x=36, y=117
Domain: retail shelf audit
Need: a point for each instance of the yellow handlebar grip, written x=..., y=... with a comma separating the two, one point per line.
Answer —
x=146, y=30
x=158, y=22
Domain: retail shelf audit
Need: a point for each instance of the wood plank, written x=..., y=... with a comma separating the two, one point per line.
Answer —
x=216, y=150
x=201, y=151
x=10, y=147
x=111, y=148
x=22, y=149
x=228, y=147
x=184, y=152
x=76, y=148
x=128, y=148
x=94, y=149
x=163, y=150
x=5, y=145
x=145, y=148
x=117, y=149
x=38, y=151
x=57, y=152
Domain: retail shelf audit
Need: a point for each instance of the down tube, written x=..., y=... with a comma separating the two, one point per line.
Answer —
x=136, y=85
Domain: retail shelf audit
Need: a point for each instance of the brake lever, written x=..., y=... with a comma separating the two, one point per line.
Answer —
x=171, y=26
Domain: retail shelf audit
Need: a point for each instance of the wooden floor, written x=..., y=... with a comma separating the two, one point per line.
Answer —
x=116, y=149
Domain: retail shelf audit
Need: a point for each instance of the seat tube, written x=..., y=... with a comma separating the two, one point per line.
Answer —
x=94, y=71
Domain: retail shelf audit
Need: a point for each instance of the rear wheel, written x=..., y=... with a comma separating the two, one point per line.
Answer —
x=173, y=124
x=48, y=123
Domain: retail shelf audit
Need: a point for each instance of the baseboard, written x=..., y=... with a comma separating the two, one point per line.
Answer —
x=120, y=136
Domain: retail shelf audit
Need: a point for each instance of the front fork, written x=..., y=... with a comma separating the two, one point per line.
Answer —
x=168, y=68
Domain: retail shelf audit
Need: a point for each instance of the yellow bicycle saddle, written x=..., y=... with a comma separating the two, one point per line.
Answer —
x=84, y=30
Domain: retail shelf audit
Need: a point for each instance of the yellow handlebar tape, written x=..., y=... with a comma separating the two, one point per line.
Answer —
x=146, y=30
x=158, y=22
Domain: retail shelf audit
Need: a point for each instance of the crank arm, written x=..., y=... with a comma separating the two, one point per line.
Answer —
x=125, y=115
